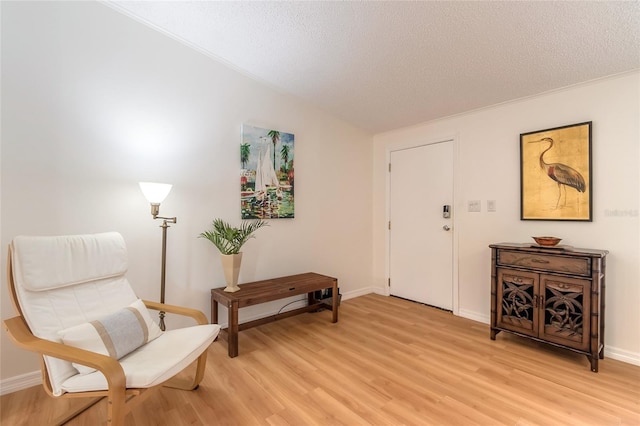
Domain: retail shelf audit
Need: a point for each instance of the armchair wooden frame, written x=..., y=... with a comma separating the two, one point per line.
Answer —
x=120, y=399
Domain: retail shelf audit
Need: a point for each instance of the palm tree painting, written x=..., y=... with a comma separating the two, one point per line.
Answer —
x=555, y=173
x=267, y=174
x=245, y=150
x=284, y=154
x=275, y=137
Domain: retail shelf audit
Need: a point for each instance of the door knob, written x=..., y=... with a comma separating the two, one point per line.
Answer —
x=446, y=227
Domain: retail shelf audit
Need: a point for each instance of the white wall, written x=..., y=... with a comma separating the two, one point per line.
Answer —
x=487, y=168
x=94, y=102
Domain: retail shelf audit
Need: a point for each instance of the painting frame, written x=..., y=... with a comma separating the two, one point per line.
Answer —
x=556, y=179
x=266, y=173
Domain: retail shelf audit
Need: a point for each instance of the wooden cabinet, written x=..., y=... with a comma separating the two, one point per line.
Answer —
x=552, y=295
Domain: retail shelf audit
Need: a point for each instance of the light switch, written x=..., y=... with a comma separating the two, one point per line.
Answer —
x=491, y=205
x=474, y=205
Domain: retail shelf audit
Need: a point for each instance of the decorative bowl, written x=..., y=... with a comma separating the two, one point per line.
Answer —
x=547, y=241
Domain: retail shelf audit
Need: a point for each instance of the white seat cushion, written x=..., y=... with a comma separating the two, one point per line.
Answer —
x=154, y=362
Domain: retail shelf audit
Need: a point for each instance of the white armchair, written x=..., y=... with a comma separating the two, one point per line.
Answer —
x=77, y=309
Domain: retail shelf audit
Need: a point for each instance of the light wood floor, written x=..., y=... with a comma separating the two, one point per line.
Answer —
x=386, y=362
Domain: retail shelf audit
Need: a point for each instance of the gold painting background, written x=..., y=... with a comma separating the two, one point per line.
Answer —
x=539, y=191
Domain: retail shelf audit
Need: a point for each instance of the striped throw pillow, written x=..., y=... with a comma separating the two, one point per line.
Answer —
x=115, y=335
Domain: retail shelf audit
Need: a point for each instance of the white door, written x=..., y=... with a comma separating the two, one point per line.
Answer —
x=420, y=238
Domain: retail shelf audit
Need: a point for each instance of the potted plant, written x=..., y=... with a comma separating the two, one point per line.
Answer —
x=229, y=240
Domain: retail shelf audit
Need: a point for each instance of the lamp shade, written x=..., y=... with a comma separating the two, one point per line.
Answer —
x=155, y=192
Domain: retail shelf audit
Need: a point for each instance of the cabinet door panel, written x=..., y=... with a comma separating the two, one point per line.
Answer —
x=516, y=295
x=565, y=312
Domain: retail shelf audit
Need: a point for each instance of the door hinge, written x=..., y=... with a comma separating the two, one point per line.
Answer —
x=389, y=282
x=389, y=167
x=389, y=226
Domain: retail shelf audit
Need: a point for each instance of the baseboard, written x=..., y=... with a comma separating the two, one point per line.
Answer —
x=475, y=316
x=361, y=292
x=380, y=291
x=23, y=381
x=622, y=355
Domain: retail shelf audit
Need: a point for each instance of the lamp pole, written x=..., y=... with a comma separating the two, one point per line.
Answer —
x=155, y=194
x=163, y=270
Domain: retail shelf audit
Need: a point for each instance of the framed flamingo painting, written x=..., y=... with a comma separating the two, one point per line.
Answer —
x=555, y=173
x=266, y=174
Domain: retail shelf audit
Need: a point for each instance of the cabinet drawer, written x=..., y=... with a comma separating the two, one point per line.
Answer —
x=545, y=262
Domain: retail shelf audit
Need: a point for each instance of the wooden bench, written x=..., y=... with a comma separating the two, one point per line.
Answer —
x=264, y=291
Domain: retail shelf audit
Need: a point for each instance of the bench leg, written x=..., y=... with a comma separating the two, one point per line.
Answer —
x=214, y=311
x=335, y=300
x=232, y=329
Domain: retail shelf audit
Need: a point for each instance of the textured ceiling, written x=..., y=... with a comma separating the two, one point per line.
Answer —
x=385, y=65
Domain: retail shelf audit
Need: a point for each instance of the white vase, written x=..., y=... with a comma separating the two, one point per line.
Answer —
x=231, y=268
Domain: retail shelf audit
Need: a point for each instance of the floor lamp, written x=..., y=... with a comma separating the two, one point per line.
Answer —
x=155, y=194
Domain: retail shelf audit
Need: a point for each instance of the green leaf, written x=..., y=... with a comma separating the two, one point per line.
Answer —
x=228, y=239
